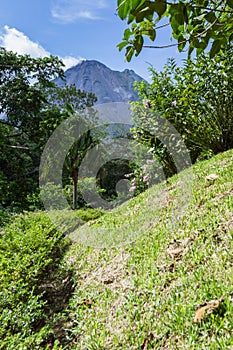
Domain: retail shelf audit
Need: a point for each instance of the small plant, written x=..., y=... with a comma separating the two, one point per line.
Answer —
x=28, y=246
x=144, y=176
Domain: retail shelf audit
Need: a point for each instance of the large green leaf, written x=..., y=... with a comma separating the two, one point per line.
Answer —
x=174, y=25
x=121, y=45
x=210, y=17
x=151, y=34
x=127, y=34
x=143, y=12
x=123, y=8
x=215, y=48
x=136, y=4
x=129, y=53
x=138, y=43
x=182, y=43
x=159, y=7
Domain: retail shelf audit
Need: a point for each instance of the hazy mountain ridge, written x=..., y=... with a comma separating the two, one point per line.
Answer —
x=108, y=85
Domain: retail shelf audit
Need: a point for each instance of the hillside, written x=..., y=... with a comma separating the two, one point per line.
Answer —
x=169, y=288
x=145, y=295
x=108, y=85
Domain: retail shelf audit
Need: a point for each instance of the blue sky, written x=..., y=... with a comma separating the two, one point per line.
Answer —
x=74, y=30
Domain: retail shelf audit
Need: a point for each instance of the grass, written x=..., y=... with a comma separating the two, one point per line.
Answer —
x=142, y=271
x=145, y=294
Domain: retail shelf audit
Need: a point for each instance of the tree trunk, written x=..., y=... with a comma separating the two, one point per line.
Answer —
x=75, y=188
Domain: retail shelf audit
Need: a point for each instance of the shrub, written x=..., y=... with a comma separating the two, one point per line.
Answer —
x=28, y=246
x=196, y=99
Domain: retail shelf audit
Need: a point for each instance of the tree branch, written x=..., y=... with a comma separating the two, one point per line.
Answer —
x=183, y=41
x=18, y=147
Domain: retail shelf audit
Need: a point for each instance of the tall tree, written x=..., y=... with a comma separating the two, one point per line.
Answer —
x=31, y=107
x=74, y=158
x=23, y=81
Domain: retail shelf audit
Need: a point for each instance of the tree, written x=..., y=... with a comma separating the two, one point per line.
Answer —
x=194, y=23
x=197, y=99
x=31, y=107
x=15, y=167
x=23, y=82
x=73, y=105
x=70, y=98
x=74, y=158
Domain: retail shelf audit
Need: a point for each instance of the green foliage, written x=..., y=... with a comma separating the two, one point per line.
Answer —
x=32, y=106
x=144, y=176
x=109, y=175
x=21, y=100
x=76, y=136
x=85, y=188
x=194, y=24
x=73, y=160
x=5, y=216
x=53, y=195
x=17, y=168
x=88, y=214
x=28, y=245
x=23, y=84
x=196, y=99
x=70, y=98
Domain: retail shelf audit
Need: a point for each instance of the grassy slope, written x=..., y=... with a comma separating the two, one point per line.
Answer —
x=144, y=295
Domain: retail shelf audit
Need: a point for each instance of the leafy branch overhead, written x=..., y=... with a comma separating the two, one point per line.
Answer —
x=194, y=24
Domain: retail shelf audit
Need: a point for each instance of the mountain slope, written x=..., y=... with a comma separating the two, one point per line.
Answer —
x=108, y=85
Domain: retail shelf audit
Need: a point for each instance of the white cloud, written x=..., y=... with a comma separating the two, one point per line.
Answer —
x=16, y=41
x=70, y=61
x=68, y=11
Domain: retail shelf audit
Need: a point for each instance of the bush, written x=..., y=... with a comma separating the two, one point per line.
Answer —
x=196, y=99
x=28, y=246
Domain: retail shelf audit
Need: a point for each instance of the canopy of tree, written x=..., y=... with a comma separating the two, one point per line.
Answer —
x=31, y=107
x=194, y=23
